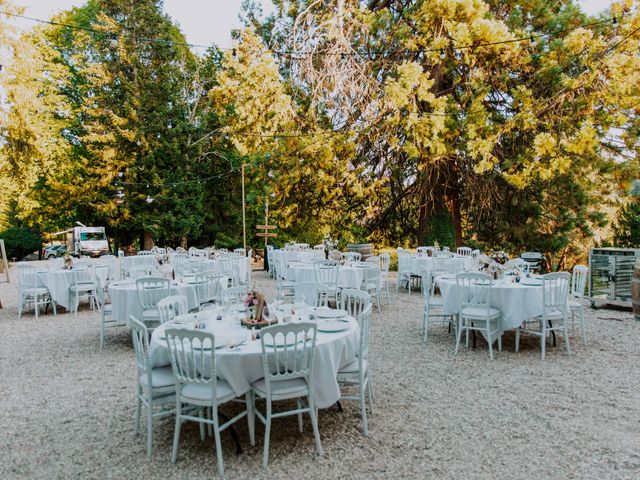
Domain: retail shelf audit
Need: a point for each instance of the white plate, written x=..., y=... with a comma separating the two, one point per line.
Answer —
x=331, y=326
x=536, y=282
x=122, y=283
x=280, y=340
x=324, y=312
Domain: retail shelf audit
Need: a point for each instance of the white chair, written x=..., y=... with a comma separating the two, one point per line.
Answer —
x=235, y=294
x=314, y=294
x=172, y=306
x=83, y=284
x=150, y=291
x=555, y=295
x=106, y=313
x=404, y=269
x=421, y=250
x=270, y=259
x=287, y=357
x=464, y=251
x=433, y=306
x=354, y=302
x=155, y=386
x=208, y=288
x=194, y=368
x=578, y=286
x=475, y=311
x=517, y=263
x=385, y=262
x=284, y=288
x=475, y=254
x=240, y=251
x=319, y=248
x=231, y=268
x=351, y=256
x=326, y=272
x=31, y=290
x=358, y=373
x=371, y=284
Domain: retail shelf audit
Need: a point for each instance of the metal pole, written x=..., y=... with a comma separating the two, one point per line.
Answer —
x=244, y=217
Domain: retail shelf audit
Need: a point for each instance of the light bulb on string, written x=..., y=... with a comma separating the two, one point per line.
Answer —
x=234, y=54
x=615, y=22
x=442, y=54
x=149, y=199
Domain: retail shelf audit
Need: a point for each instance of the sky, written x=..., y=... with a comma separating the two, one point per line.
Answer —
x=202, y=21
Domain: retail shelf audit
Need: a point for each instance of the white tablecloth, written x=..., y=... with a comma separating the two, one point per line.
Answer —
x=241, y=367
x=294, y=256
x=421, y=262
x=348, y=277
x=124, y=298
x=516, y=301
x=58, y=281
x=138, y=261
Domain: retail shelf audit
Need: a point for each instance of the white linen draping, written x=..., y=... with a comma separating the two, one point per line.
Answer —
x=419, y=263
x=58, y=281
x=243, y=366
x=516, y=301
x=348, y=277
x=124, y=298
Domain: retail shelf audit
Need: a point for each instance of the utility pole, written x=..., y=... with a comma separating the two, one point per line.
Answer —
x=244, y=217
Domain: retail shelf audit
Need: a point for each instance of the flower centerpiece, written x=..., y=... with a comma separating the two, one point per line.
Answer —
x=330, y=243
x=68, y=261
x=499, y=256
x=257, y=311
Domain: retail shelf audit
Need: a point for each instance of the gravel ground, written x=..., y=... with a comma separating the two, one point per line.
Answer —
x=66, y=409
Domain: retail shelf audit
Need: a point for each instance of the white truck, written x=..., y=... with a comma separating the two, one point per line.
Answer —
x=90, y=241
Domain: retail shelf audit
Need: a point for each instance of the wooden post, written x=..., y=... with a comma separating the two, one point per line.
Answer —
x=244, y=218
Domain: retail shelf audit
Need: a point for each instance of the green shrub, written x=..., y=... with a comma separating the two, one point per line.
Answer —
x=20, y=242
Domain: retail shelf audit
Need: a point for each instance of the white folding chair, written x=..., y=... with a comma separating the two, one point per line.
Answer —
x=404, y=269
x=433, y=306
x=287, y=357
x=193, y=362
x=475, y=310
x=150, y=291
x=578, y=286
x=358, y=373
x=106, y=313
x=354, y=302
x=351, y=256
x=208, y=288
x=31, y=290
x=83, y=284
x=385, y=261
x=326, y=272
x=371, y=284
x=155, y=386
x=172, y=306
x=555, y=295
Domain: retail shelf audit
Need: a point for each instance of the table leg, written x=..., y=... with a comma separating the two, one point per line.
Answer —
x=233, y=432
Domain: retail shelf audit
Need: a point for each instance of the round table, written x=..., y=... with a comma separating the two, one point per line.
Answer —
x=516, y=301
x=58, y=281
x=242, y=366
x=348, y=276
x=419, y=263
x=124, y=298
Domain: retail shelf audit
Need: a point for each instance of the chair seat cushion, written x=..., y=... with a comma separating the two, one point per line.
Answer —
x=436, y=301
x=551, y=314
x=290, y=388
x=202, y=393
x=82, y=287
x=574, y=304
x=480, y=312
x=160, y=377
x=151, y=314
x=353, y=367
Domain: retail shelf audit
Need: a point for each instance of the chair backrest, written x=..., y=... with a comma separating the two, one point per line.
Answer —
x=140, y=337
x=83, y=275
x=315, y=294
x=579, y=280
x=151, y=290
x=172, y=306
x=464, y=251
x=208, y=286
x=371, y=276
x=454, y=267
x=326, y=272
x=287, y=352
x=145, y=253
x=365, y=334
x=375, y=261
x=320, y=247
x=446, y=249
x=352, y=256
x=534, y=259
x=385, y=262
x=27, y=276
x=404, y=261
x=439, y=263
x=240, y=251
x=474, y=290
x=475, y=254
x=355, y=302
x=192, y=357
x=555, y=291
x=235, y=294
x=428, y=285
x=422, y=249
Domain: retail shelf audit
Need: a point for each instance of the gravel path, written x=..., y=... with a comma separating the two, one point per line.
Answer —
x=66, y=409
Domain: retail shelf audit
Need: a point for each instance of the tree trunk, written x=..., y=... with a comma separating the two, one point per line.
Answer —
x=148, y=240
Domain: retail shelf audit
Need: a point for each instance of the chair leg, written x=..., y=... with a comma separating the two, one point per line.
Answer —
x=566, y=336
x=363, y=408
x=458, y=337
x=299, y=405
x=136, y=420
x=582, y=329
x=314, y=424
x=517, y=339
x=490, y=341
x=251, y=417
x=370, y=392
x=176, y=434
x=267, y=433
x=216, y=433
x=202, y=432
x=101, y=331
x=149, y=426
x=543, y=340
